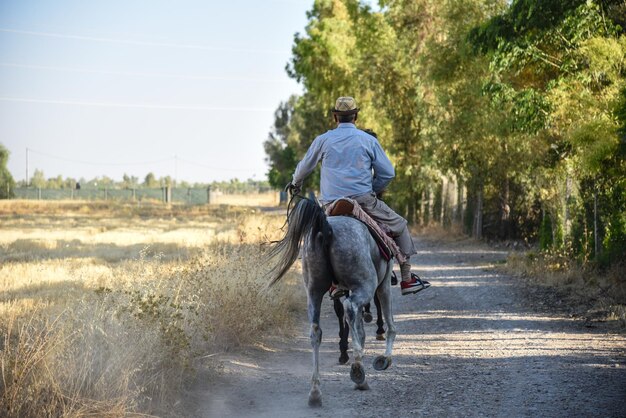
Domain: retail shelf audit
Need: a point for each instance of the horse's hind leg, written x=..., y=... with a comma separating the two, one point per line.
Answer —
x=384, y=295
x=352, y=307
x=315, y=303
x=380, y=330
x=367, y=313
x=343, y=332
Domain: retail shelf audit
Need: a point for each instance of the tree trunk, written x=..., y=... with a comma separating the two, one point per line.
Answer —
x=478, y=213
x=437, y=202
x=410, y=209
x=566, y=215
x=596, y=238
x=422, y=207
x=427, y=206
x=444, y=200
x=460, y=211
x=505, y=210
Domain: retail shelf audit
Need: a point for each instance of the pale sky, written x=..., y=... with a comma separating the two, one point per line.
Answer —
x=185, y=88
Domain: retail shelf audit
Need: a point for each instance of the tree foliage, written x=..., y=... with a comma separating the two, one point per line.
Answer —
x=523, y=102
x=7, y=184
x=280, y=153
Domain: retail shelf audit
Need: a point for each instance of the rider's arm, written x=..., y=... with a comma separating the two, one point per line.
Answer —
x=383, y=169
x=308, y=163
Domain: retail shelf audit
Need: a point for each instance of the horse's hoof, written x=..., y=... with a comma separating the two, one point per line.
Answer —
x=343, y=358
x=362, y=386
x=380, y=337
x=367, y=317
x=315, y=403
x=357, y=373
x=315, y=399
x=382, y=363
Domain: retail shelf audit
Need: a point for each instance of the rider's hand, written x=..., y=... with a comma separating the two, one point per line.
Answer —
x=293, y=189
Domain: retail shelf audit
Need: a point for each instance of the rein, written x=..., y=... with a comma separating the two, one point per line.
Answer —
x=291, y=205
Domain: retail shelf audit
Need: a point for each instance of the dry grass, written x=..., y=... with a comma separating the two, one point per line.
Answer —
x=106, y=310
x=602, y=293
x=594, y=294
x=434, y=232
x=249, y=199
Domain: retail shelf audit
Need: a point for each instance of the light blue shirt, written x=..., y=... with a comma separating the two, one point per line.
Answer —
x=353, y=163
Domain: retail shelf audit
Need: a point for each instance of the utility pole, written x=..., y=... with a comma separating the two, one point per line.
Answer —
x=26, y=166
x=175, y=169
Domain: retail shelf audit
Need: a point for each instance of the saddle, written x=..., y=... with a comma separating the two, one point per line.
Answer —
x=380, y=233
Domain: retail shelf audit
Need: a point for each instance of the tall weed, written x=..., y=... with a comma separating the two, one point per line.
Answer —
x=128, y=339
x=599, y=290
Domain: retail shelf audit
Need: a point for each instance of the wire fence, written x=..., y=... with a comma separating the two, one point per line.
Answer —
x=190, y=196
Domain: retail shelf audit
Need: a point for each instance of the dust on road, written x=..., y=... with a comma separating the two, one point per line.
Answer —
x=471, y=345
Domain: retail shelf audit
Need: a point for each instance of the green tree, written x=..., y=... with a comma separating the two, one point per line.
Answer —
x=281, y=156
x=38, y=180
x=7, y=184
x=69, y=183
x=569, y=55
x=165, y=181
x=522, y=102
x=127, y=183
x=151, y=181
x=55, y=182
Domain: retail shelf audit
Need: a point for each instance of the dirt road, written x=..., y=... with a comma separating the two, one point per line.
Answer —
x=471, y=345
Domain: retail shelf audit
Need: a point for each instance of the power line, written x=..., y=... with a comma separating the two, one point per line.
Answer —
x=135, y=106
x=210, y=167
x=71, y=160
x=139, y=74
x=175, y=158
x=141, y=43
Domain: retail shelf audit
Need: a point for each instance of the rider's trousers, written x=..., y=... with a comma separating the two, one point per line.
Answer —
x=379, y=210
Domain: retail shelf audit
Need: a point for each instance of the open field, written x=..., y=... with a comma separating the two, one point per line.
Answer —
x=108, y=309
x=143, y=196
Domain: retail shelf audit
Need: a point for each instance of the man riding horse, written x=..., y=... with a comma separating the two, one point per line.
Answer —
x=355, y=166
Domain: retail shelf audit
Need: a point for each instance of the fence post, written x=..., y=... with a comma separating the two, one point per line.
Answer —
x=166, y=193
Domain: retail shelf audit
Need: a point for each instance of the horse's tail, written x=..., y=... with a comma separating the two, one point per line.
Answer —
x=307, y=217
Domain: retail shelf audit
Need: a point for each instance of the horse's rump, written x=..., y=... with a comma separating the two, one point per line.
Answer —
x=380, y=233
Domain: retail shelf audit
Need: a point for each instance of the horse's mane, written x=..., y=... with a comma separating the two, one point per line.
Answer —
x=307, y=217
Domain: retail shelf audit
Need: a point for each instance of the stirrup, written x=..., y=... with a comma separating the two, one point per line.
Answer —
x=335, y=293
x=394, y=278
x=425, y=284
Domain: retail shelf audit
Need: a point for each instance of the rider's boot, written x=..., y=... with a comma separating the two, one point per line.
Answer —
x=411, y=282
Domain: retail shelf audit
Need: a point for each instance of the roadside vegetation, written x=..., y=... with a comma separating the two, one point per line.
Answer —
x=585, y=291
x=109, y=309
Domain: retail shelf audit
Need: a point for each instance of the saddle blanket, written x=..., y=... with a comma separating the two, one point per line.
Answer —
x=349, y=207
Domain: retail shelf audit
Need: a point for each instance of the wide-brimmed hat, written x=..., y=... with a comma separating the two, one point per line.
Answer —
x=345, y=106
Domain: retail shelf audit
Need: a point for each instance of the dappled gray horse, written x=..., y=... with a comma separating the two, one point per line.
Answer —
x=337, y=249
